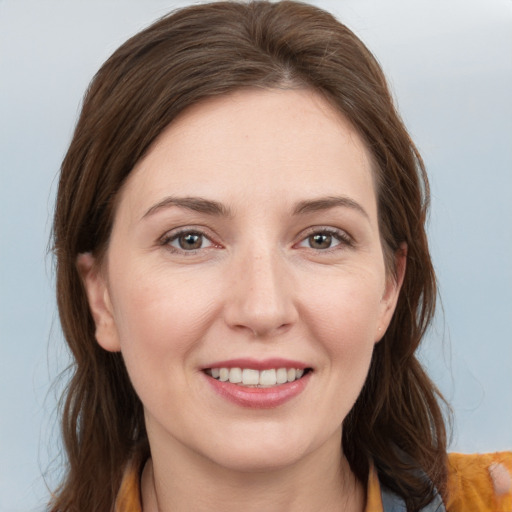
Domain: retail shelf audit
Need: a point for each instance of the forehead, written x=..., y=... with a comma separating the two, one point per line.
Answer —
x=258, y=144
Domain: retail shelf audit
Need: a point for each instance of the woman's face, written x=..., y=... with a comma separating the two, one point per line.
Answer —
x=246, y=246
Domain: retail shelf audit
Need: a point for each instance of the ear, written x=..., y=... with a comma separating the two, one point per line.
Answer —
x=99, y=302
x=392, y=291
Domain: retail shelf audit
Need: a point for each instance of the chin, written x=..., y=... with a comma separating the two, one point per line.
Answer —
x=259, y=460
x=263, y=451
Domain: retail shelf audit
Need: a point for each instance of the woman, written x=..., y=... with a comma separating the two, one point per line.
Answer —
x=243, y=279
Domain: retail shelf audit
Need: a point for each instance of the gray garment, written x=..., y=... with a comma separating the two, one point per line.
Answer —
x=393, y=503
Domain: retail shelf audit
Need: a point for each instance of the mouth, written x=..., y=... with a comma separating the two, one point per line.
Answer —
x=258, y=384
x=252, y=378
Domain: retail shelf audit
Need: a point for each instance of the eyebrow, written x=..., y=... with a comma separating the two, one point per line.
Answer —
x=210, y=207
x=196, y=204
x=325, y=203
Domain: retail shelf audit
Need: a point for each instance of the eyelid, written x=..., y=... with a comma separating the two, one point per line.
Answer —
x=345, y=240
x=175, y=233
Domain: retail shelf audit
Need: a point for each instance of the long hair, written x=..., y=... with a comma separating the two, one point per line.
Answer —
x=190, y=55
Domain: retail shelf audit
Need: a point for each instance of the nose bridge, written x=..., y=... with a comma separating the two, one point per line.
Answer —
x=261, y=298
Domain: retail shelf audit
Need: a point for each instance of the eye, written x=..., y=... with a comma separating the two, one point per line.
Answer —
x=187, y=241
x=321, y=241
x=325, y=239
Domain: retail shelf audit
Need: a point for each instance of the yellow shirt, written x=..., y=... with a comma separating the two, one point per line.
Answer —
x=476, y=483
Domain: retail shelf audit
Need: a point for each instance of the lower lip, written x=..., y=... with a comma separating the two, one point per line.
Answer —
x=259, y=398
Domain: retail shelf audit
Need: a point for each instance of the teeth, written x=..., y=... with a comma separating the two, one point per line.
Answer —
x=281, y=376
x=235, y=375
x=250, y=377
x=267, y=378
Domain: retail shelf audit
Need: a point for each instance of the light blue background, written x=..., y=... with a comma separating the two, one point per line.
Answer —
x=450, y=67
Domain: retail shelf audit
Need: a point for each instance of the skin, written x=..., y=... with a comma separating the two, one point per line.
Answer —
x=257, y=286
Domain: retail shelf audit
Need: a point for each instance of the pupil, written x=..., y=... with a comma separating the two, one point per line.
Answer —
x=320, y=241
x=190, y=241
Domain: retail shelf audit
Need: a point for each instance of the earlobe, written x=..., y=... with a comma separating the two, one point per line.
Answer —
x=393, y=286
x=100, y=304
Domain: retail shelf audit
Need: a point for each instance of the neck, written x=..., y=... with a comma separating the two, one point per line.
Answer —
x=321, y=481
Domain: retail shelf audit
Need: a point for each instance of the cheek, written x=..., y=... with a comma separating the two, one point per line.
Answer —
x=160, y=321
x=343, y=320
x=349, y=338
x=346, y=310
x=164, y=304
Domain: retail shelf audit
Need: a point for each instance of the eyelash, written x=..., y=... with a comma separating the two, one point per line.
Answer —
x=342, y=237
x=175, y=235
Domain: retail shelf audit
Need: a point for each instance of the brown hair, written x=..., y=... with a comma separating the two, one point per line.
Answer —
x=189, y=55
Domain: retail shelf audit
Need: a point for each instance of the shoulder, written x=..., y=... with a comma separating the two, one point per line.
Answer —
x=480, y=482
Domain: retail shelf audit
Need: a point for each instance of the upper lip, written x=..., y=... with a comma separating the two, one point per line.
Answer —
x=258, y=364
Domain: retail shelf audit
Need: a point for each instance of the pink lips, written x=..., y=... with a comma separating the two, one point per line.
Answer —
x=259, y=398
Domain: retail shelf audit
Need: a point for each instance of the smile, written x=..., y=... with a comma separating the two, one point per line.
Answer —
x=249, y=377
x=258, y=384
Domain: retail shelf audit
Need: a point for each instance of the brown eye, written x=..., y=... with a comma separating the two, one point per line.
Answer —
x=320, y=241
x=189, y=241
x=325, y=239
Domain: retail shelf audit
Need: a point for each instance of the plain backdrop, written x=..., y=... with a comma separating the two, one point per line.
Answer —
x=449, y=63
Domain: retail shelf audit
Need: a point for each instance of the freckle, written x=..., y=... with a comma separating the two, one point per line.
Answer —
x=501, y=479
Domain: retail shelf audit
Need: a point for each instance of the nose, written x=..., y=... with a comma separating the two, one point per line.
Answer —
x=260, y=296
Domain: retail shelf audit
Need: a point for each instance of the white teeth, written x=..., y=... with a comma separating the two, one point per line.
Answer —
x=267, y=378
x=281, y=376
x=235, y=375
x=250, y=377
